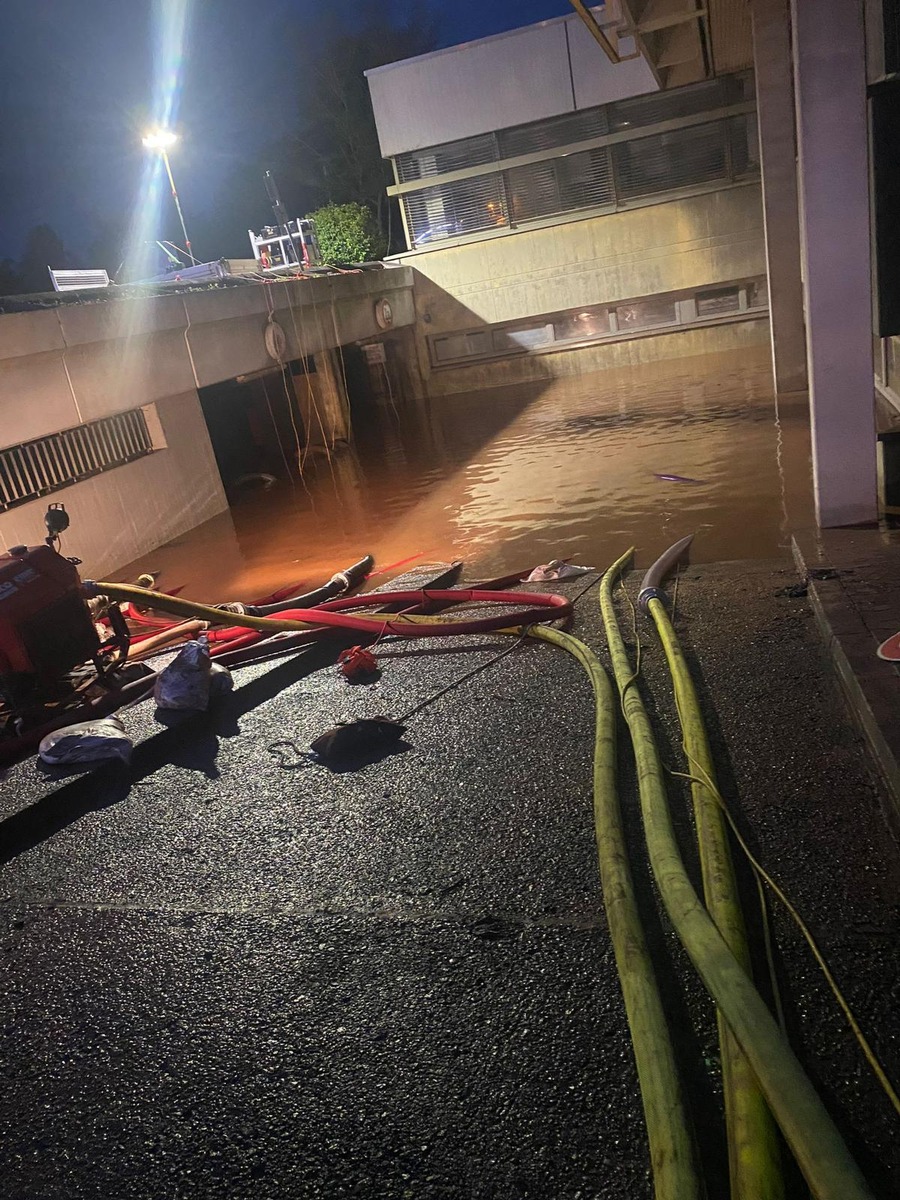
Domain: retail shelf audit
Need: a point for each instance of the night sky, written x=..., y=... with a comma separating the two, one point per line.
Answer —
x=77, y=85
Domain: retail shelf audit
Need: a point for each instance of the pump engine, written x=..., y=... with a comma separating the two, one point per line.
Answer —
x=47, y=628
x=45, y=624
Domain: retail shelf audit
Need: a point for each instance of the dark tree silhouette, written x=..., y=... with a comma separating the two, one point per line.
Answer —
x=43, y=249
x=337, y=149
x=108, y=245
x=11, y=281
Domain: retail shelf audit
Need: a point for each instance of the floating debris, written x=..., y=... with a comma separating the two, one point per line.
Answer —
x=677, y=478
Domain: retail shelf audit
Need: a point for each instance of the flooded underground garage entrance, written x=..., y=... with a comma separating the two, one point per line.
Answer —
x=580, y=467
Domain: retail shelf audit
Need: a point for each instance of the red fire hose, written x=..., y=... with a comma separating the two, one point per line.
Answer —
x=543, y=606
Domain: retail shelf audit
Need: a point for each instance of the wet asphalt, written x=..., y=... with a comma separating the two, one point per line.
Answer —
x=227, y=977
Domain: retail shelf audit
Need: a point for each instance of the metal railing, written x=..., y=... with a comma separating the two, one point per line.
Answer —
x=44, y=465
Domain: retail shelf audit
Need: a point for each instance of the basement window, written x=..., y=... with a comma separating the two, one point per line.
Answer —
x=462, y=345
x=643, y=314
x=718, y=302
x=530, y=338
x=600, y=323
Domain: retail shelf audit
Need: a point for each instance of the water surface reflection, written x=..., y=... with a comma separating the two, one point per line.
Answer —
x=514, y=476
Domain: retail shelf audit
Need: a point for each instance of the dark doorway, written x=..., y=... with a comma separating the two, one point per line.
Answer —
x=255, y=428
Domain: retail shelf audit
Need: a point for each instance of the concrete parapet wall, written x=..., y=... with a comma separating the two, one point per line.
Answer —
x=63, y=366
x=78, y=362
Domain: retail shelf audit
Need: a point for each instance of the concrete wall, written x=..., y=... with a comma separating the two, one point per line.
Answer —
x=121, y=514
x=63, y=366
x=686, y=342
x=684, y=243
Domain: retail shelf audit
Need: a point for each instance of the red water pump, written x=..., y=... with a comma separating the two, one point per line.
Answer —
x=46, y=628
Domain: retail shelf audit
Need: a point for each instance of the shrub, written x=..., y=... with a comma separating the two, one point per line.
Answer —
x=348, y=233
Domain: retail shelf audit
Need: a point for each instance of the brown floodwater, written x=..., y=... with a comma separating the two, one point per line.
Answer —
x=514, y=476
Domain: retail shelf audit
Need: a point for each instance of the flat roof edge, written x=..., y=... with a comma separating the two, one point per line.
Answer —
x=493, y=37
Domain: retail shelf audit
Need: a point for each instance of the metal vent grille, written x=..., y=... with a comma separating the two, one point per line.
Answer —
x=36, y=468
x=558, y=131
x=668, y=161
x=560, y=185
x=454, y=156
x=455, y=209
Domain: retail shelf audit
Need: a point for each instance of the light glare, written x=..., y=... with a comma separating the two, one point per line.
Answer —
x=160, y=139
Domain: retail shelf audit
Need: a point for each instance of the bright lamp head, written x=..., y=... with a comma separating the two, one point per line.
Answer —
x=159, y=139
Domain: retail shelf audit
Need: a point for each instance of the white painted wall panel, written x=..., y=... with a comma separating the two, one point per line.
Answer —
x=596, y=79
x=490, y=84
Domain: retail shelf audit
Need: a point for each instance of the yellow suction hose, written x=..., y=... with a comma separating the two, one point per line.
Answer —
x=191, y=609
x=547, y=607
x=675, y=1175
x=808, y=1129
x=753, y=1151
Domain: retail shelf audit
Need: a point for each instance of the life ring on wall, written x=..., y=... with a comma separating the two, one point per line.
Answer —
x=384, y=313
x=276, y=342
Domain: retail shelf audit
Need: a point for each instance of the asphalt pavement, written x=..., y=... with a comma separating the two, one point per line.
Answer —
x=224, y=976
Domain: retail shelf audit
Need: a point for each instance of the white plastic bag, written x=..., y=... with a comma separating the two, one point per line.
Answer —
x=90, y=741
x=556, y=569
x=189, y=681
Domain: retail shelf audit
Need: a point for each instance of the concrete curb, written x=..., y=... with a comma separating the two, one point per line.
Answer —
x=872, y=697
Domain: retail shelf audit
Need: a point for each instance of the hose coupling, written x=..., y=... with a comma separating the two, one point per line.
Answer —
x=342, y=579
x=234, y=606
x=89, y=589
x=645, y=595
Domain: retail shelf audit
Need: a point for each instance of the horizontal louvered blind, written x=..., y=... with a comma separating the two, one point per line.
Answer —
x=558, y=131
x=439, y=160
x=667, y=161
x=454, y=209
x=644, y=165
x=744, y=137
x=681, y=102
x=36, y=468
x=560, y=185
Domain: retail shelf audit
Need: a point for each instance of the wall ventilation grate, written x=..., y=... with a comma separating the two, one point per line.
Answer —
x=37, y=468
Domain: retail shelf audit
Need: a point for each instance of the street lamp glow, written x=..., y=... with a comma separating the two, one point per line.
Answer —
x=159, y=139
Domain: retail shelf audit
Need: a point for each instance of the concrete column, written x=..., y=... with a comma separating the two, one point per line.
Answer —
x=832, y=141
x=778, y=152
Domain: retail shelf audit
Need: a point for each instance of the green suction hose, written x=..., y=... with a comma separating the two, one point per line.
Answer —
x=753, y=1150
x=811, y=1134
x=675, y=1175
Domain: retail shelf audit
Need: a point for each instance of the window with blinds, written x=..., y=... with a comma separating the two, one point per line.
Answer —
x=36, y=468
x=669, y=161
x=557, y=131
x=440, y=160
x=455, y=209
x=642, y=163
x=560, y=185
